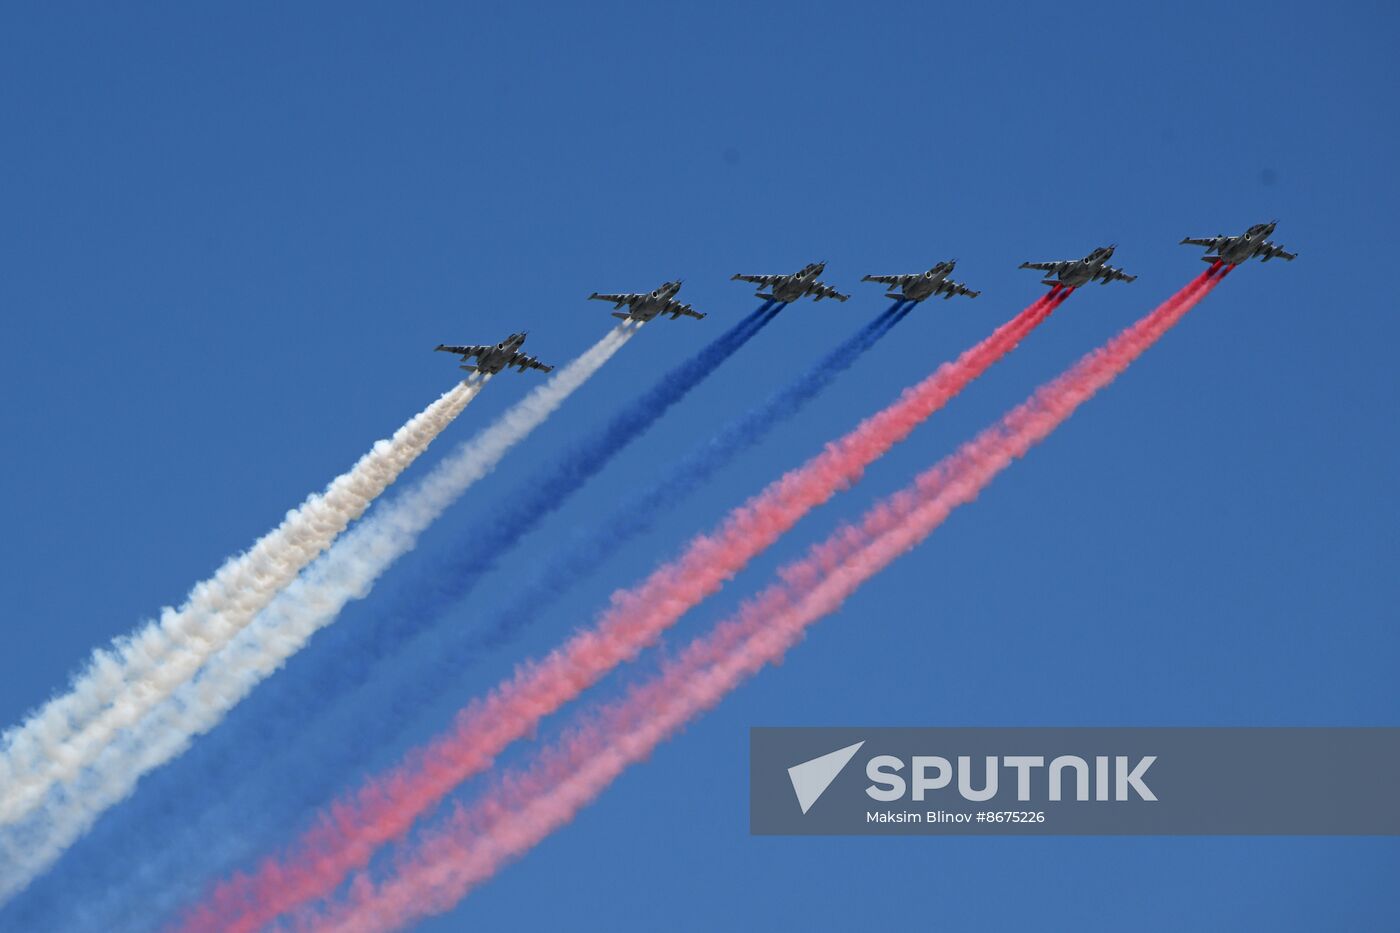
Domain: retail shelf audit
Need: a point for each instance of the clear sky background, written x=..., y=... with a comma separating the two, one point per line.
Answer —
x=229, y=239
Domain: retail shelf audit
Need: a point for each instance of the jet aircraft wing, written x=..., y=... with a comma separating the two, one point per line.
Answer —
x=900, y=280
x=464, y=352
x=821, y=290
x=676, y=309
x=528, y=362
x=758, y=279
x=1109, y=274
x=618, y=300
x=1269, y=251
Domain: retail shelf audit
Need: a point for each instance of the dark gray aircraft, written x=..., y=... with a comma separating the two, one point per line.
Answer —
x=1072, y=273
x=644, y=306
x=920, y=285
x=1233, y=250
x=786, y=288
x=491, y=360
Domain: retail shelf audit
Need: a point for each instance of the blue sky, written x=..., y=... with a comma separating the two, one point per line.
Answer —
x=232, y=236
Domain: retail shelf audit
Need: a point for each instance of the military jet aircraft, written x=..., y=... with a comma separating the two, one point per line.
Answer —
x=1233, y=250
x=920, y=285
x=1072, y=273
x=491, y=360
x=786, y=288
x=644, y=306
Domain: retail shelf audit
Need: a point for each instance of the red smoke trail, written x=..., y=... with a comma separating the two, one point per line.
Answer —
x=384, y=808
x=434, y=872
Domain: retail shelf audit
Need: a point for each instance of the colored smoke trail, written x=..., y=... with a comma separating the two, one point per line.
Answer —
x=384, y=808
x=303, y=776
x=638, y=514
x=123, y=683
x=333, y=583
x=347, y=571
x=544, y=493
x=442, y=865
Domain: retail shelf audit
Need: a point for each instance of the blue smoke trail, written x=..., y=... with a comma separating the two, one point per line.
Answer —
x=265, y=723
x=638, y=515
x=537, y=498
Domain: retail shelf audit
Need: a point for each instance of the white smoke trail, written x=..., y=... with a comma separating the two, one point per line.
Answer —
x=124, y=682
x=347, y=571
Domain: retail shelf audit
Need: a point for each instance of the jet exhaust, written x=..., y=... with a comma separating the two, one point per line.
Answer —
x=383, y=808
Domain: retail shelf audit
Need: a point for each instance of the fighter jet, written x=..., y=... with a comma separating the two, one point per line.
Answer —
x=786, y=288
x=1072, y=273
x=1233, y=250
x=491, y=360
x=646, y=305
x=920, y=285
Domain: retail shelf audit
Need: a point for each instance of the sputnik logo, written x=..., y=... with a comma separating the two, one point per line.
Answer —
x=810, y=779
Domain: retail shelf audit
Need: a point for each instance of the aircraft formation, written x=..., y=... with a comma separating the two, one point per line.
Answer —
x=77, y=761
x=913, y=287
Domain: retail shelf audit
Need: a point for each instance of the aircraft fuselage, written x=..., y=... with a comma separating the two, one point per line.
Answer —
x=789, y=290
x=1079, y=273
x=793, y=287
x=1242, y=248
x=924, y=286
x=499, y=356
x=653, y=304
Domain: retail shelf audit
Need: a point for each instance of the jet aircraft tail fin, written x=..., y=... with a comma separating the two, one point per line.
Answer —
x=620, y=314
